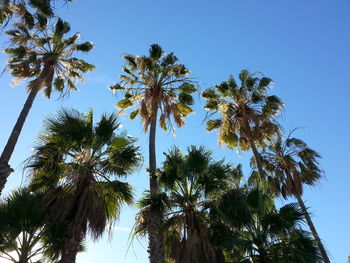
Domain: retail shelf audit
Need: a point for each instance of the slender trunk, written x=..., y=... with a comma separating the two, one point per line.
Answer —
x=313, y=229
x=77, y=227
x=71, y=248
x=5, y=169
x=257, y=158
x=155, y=246
x=256, y=154
x=152, y=152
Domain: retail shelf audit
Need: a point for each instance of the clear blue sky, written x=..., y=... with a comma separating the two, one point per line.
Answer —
x=304, y=46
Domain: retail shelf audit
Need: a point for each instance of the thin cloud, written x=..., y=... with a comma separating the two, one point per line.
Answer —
x=123, y=229
x=99, y=78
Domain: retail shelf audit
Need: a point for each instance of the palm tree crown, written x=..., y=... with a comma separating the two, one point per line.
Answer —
x=26, y=11
x=247, y=112
x=187, y=182
x=46, y=57
x=290, y=164
x=249, y=228
x=22, y=226
x=156, y=82
x=76, y=163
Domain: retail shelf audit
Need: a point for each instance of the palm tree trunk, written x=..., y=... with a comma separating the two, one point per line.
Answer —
x=152, y=152
x=257, y=158
x=155, y=246
x=313, y=229
x=256, y=154
x=70, y=249
x=5, y=169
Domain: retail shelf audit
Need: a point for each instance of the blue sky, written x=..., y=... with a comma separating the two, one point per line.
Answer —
x=304, y=46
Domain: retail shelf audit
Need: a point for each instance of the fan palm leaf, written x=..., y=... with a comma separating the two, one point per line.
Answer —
x=188, y=181
x=78, y=163
x=247, y=114
x=26, y=11
x=23, y=229
x=247, y=225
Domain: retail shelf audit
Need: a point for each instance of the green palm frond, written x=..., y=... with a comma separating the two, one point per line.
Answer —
x=156, y=84
x=243, y=113
x=248, y=227
x=189, y=181
x=81, y=160
x=45, y=57
x=23, y=228
x=290, y=163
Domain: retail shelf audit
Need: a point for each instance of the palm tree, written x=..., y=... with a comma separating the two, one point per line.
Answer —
x=248, y=227
x=187, y=182
x=23, y=228
x=156, y=85
x=290, y=164
x=77, y=163
x=247, y=113
x=45, y=58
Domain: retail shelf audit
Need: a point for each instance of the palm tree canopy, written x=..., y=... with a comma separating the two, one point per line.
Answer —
x=45, y=56
x=155, y=82
x=24, y=232
x=23, y=227
x=78, y=163
x=187, y=181
x=248, y=226
x=20, y=212
x=290, y=163
x=19, y=8
x=22, y=10
x=247, y=111
x=195, y=174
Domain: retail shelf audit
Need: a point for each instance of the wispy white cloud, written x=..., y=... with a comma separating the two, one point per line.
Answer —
x=123, y=229
x=100, y=78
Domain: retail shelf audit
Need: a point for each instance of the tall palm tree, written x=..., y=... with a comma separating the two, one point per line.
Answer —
x=246, y=224
x=247, y=112
x=45, y=58
x=158, y=86
x=290, y=164
x=77, y=164
x=187, y=182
